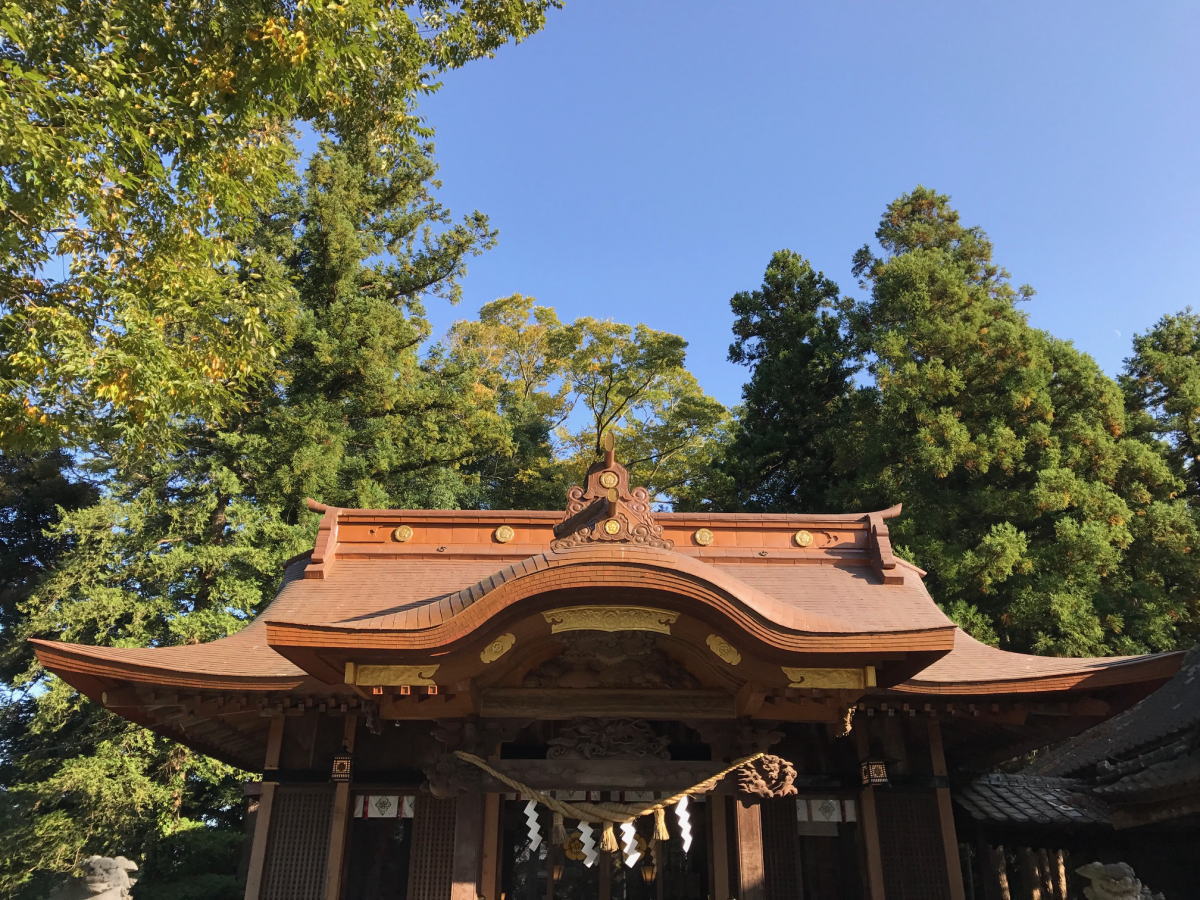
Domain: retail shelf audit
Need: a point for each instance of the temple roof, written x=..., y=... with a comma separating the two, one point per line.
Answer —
x=795, y=583
x=1153, y=723
x=412, y=614
x=1026, y=800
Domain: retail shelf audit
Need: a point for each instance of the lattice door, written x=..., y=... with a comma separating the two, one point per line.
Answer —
x=295, y=863
x=781, y=849
x=910, y=842
x=429, y=873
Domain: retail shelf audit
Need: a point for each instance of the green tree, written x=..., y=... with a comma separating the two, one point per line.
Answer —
x=1045, y=520
x=141, y=142
x=1162, y=380
x=563, y=386
x=796, y=408
x=185, y=547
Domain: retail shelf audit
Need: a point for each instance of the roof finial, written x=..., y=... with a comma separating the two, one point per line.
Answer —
x=607, y=509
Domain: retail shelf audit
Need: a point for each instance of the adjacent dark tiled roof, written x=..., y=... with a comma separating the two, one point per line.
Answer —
x=1030, y=800
x=1171, y=709
x=1170, y=776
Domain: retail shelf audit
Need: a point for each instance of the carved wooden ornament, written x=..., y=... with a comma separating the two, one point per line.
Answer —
x=610, y=618
x=497, y=648
x=606, y=509
x=767, y=777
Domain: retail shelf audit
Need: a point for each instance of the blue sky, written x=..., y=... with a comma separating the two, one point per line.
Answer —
x=642, y=160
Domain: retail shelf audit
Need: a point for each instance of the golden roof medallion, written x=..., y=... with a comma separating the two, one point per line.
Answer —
x=402, y=533
x=497, y=648
x=504, y=534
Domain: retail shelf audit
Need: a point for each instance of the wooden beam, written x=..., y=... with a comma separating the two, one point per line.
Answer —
x=468, y=838
x=262, y=817
x=869, y=821
x=560, y=703
x=718, y=823
x=749, y=699
x=339, y=820
x=751, y=869
x=937, y=757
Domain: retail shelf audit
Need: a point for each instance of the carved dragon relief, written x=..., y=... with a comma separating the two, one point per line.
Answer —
x=608, y=739
x=607, y=510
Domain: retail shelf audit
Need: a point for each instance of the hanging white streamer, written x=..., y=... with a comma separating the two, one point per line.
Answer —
x=587, y=840
x=685, y=823
x=535, y=830
x=629, y=835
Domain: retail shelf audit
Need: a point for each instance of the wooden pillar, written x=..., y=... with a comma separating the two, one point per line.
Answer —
x=945, y=812
x=718, y=847
x=339, y=820
x=868, y=820
x=468, y=844
x=748, y=830
x=1060, y=873
x=262, y=818
x=1029, y=874
x=1000, y=861
x=605, y=862
x=489, y=876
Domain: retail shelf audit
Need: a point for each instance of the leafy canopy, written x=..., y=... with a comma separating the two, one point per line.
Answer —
x=141, y=140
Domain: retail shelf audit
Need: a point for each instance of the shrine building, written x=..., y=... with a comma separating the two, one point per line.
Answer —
x=608, y=703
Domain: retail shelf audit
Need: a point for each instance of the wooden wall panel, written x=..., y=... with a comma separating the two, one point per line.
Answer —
x=295, y=865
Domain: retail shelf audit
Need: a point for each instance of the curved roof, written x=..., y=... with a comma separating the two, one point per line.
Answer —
x=972, y=667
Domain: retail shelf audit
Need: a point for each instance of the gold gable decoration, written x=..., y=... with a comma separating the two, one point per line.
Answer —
x=607, y=510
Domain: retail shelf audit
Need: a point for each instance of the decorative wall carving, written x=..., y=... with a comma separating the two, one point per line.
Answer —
x=610, y=618
x=608, y=739
x=390, y=676
x=724, y=650
x=628, y=659
x=497, y=648
x=703, y=536
x=504, y=534
x=829, y=679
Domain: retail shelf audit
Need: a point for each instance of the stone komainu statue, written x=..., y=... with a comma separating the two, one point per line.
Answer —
x=1114, y=881
x=104, y=878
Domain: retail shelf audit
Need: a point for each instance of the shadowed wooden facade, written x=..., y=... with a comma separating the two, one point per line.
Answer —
x=603, y=653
